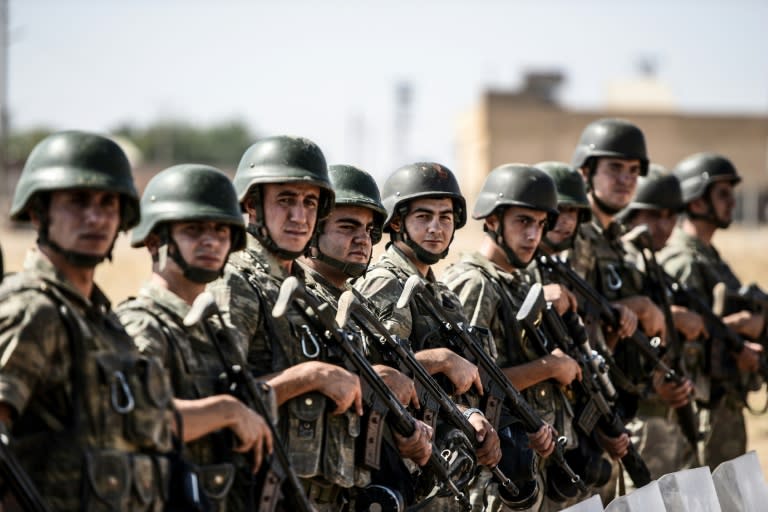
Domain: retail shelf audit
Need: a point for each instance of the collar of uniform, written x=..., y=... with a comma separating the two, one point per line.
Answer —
x=165, y=298
x=694, y=245
x=398, y=258
x=255, y=254
x=495, y=271
x=315, y=279
x=36, y=263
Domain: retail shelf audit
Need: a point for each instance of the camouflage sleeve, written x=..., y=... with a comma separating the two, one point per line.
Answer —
x=33, y=348
x=146, y=332
x=476, y=296
x=241, y=309
x=382, y=290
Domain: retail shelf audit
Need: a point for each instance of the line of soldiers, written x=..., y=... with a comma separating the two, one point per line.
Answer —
x=268, y=365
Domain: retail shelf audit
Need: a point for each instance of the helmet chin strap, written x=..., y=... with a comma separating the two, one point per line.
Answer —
x=423, y=255
x=260, y=231
x=603, y=206
x=562, y=245
x=498, y=238
x=710, y=215
x=195, y=274
x=353, y=270
x=78, y=259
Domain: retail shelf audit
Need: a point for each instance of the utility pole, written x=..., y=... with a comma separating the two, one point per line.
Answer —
x=5, y=177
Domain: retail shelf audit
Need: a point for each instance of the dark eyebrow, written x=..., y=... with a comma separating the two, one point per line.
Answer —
x=348, y=220
x=432, y=212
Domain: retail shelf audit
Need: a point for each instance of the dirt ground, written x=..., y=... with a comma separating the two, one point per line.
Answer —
x=744, y=248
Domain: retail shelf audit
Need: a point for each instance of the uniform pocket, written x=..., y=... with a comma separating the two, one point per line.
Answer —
x=108, y=475
x=147, y=425
x=216, y=480
x=305, y=433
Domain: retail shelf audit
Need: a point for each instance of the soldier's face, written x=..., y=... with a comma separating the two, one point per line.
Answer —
x=615, y=180
x=430, y=223
x=84, y=220
x=202, y=244
x=347, y=234
x=523, y=229
x=567, y=222
x=290, y=213
x=723, y=201
x=660, y=224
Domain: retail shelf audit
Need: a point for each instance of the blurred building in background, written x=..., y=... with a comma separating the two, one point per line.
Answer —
x=529, y=125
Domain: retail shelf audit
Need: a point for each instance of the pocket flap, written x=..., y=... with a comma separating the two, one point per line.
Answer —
x=216, y=479
x=307, y=407
x=109, y=474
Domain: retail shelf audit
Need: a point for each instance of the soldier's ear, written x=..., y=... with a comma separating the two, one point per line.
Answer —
x=152, y=243
x=492, y=222
x=698, y=205
x=395, y=223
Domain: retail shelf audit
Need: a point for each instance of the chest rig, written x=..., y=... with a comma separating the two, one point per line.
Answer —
x=109, y=452
x=321, y=446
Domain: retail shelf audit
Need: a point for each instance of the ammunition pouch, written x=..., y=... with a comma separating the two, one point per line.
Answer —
x=456, y=449
x=115, y=480
x=305, y=433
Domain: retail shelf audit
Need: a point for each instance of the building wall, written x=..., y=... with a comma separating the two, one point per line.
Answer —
x=505, y=128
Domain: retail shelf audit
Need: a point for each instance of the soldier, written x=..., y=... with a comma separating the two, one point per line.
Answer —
x=424, y=209
x=282, y=184
x=190, y=222
x=92, y=418
x=656, y=433
x=572, y=205
x=341, y=250
x=611, y=156
x=517, y=203
x=707, y=182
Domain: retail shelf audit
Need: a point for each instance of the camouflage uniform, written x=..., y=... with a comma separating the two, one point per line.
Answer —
x=94, y=416
x=382, y=286
x=491, y=297
x=655, y=431
x=155, y=321
x=699, y=268
x=321, y=446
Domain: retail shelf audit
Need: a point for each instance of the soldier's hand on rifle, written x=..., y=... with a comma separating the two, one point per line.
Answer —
x=748, y=324
x=253, y=433
x=649, y=315
x=565, y=369
x=691, y=325
x=543, y=440
x=675, y=395
x=341, y=386
x=462, y=374
x=489, y=451
x=748, y=360
x=616, y=447
x=562, y=298
x=417, y=447
x=627, y=320
x=401, y=385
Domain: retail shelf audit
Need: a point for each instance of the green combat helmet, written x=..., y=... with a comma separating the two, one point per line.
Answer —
x=74, y=160
x=353, y=187
x=697, y=172
x=658, y=190
x=515, y=185
x=188, y=192
x=282, y=159
x=421, y=180
x=612, y=138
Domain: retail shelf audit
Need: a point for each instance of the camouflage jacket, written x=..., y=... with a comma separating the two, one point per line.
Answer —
x=320, y=445
x=88, y=404
x=599, y=256
x=491, y=298
x=155, y=321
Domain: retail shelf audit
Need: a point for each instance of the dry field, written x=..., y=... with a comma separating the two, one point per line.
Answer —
x=744, y=248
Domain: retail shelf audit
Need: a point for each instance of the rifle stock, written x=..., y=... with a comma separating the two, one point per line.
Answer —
x=16, y=479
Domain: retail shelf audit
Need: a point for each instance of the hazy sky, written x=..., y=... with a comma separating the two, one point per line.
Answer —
x=327, y=69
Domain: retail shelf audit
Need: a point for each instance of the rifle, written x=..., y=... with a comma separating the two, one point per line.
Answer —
x=376, y=394
x=16, y=478
x=749, y=297
x=686, y=415
x=202, y=309
x=493, y=378
x=596, y=304
x=350, y=308
x=535, y=315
